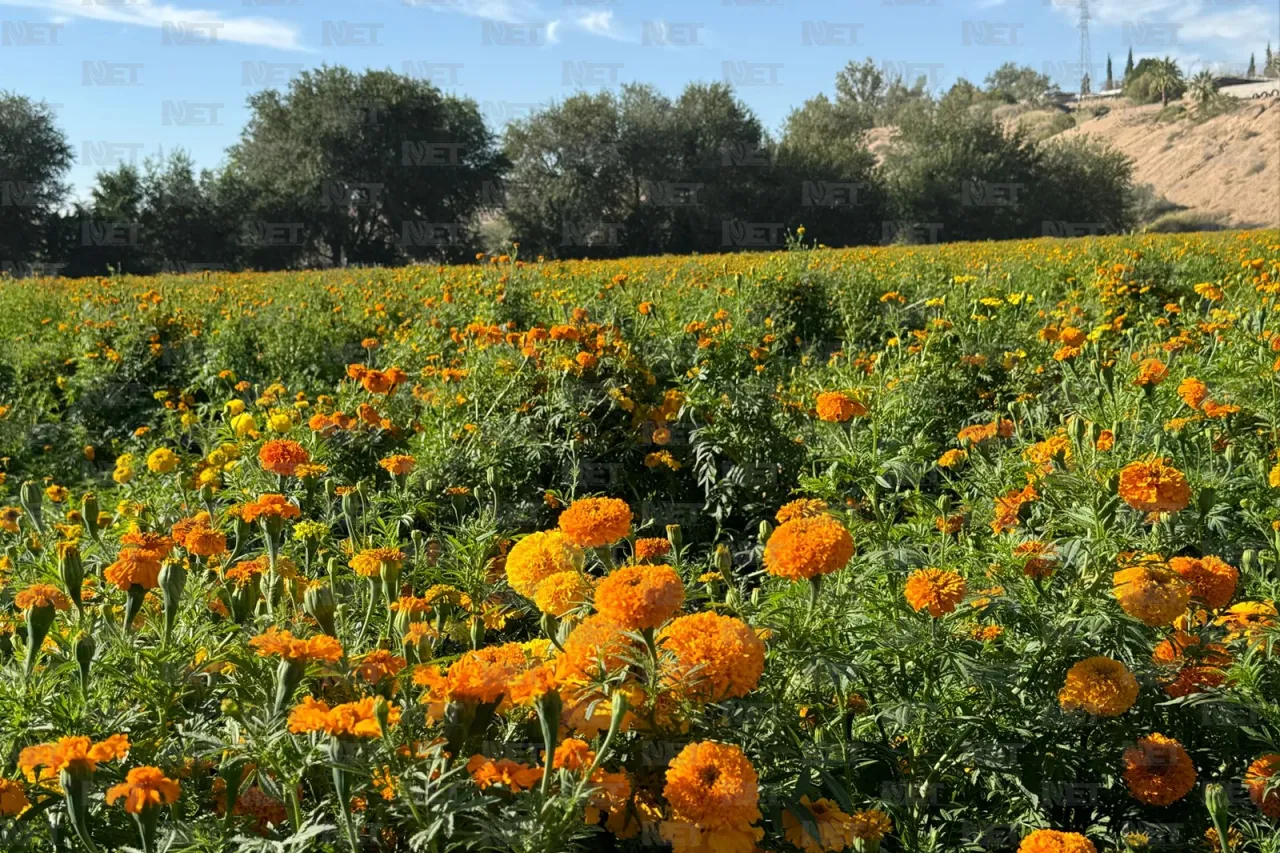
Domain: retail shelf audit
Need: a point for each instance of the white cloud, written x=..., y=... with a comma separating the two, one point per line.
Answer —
x=266, y=32
x=601, y=23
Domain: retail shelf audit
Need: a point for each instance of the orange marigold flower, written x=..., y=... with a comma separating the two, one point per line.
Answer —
x=398, y=465
x=1258, y=778
x=512, y=775
x=801, y=508
x=936, y=589
x=561, y=593
x=539, y=556
x=573, y=754
x=1211, y=579
x=1040, y=558
x=1197, y=667
x=953, y=458
x=1052, y=841
x=378, y=664
x=1248, y=620
x=594, y=522
x=595, y=647
x=978, y=433
x=13, y=799
x=269, y=506
x=838, y=407
x=716, y=657
x=714, y=795
x=1106, y=441
x=368, y=563
x=77, y=754
x=1151, y=372
x=805, y=548
x=640, y=597
x=349, y=720
x=479, y=676
x=1218, y=411
x=134, y=566
x=1192, y=391
x=1153, y=485
x=871, y=825
x=835, y=827
x=651, y=549
x=282, y=456
x=1158, y=770
x=283, y=644
x=1151, y=593
x=1009, y=508
x=144, y=788
x=1099, y=686
x=41, y=595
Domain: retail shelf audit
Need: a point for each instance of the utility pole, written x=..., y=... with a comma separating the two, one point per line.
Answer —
x=1086, y=52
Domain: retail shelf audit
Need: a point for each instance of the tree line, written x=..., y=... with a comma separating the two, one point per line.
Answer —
x=379, y=168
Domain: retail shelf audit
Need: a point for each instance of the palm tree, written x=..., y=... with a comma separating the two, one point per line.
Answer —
x=1166, y=75
x=1203, y=88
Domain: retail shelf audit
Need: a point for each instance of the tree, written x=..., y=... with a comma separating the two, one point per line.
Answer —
x=1016, y=84
x=1111, y=81
x=1128, y=67
x=1081, y=187
x=1165, y=77
x=1271, y=68
x=366, y=168
x=879, y=95
x=1203, y=88
x=1253, y=67
x=34, y=159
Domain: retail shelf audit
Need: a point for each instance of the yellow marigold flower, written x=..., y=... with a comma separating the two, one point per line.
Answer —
x=562, y=592
x=1099, y=686
x=538, y=556
x=284, y=645
x=805, y=548
x=57, y=494
x=1212, y=580
x=835, y=827
x=953, y=458
x=1247, y=620
x=1274, y=477
x=871, y=825
x=839, y=407
x=801, y=508
x=282, y=456
x=594, y=522
x=715, y=657
x=1151, y=593
x=938, y=590
x=368, y=563
x=1052, y=841
x=1158, y=770
x=244, y=424
x=640, y=597
x=162, y=460
x=144, y=788
x=41, y=595
x=714, y=795
x=1153, y=485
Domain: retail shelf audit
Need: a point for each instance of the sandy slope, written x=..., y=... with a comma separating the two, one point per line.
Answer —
x=1227, y=167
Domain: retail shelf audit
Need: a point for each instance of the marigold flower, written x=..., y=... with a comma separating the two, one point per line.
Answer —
x=284, y=645
x=573, y=754
x=77, y=754
x=871, y=825
x=805, y=548
x=512, y=775
x=1192, y=391
x=350, y=720
x=561, y=593
x=714, y=794
x=1151, y=372
x=144, y=787
x=835, y=827
x=1153, y=485
x=41, y=595
x=716, y=657
x=13, y=799
x=651, y=549
x=1052, y=841
x=639, y=597
x=938, y=590
x=368, y=563
x=594, y=522
x=595, y=647
x=801, y=508
x=282, y=456
x=134, y=566
x=1099, y=686
x=162, y=460
x=1212, y=580
x=538, y=556
x=838, y=407
x=1008, y=508
x=479, y=676
x=269, y=506
x=378, y=664
x=205, y=542
x=1248, y=620
x=1198, y=667
x=953, y=458
x=1158, y=770
x=398, y=465
x=1151, y=593
x=1106, y=441
x=1258, y=778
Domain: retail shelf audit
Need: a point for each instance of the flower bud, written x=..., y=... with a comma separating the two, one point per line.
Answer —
x=31, y=497
x=173, y=580
x=674, y=537
x=86, y=647
x=71, y=570
x=765, y=531
x=1219, y=806
x=89, y=509
x=319, y=604
x=1249, y=560
x=382, y=713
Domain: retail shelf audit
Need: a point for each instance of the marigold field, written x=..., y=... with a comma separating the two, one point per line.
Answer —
x=965, y=547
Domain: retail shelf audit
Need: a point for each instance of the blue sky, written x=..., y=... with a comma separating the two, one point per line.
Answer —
x=130, y=78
